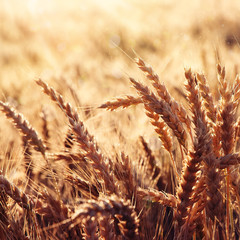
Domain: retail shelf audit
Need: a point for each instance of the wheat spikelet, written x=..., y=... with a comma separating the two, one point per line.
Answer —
x=16, y=194
x=54, y=217
x=194, y=219
x=151, y=75
x=84, y=139
x=92, y=153
x=194, y=98
x=123, y=172
x=203, y=151
x=151, y=103
x=156, y=196
x=227, y=111
x=236, y=89
x=228, y=160
x=68, y=142
x=45, y=130
x=27, y=157
x=212, y=175
x=106, y=228
x=85, y=187
x=164, y=94
x=161, y=129
x=72, y=115
x=52, y=209
x=30, y=135
x=154, y=108
x=123, y=211
x=90, y=228
x=207, y=96
x=228, y=129
x=150, y=156
x=24, y=127
x=4, y=219
x=229, y=105
x=152, y=167
x=123, y=102
x=223, y=84
x=185, y=190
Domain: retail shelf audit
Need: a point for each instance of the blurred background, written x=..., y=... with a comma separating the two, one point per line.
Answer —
x=89, y=46
x=95, y=40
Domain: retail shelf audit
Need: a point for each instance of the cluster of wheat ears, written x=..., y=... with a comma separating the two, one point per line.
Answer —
x=93, y=196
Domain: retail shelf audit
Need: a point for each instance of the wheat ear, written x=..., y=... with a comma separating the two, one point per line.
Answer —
x=16, y=194
x=227, y=112
x=106, y=228
x=228, y=160
x=157, y=196
x=86, y=188
x=154, y=108
x=207, y=96
x=123, y=102
x=202, y=149
x=123, y=172
x=24, y=127
x=84, y=139
x=128, y=222
x=164, y=94
x=45, y=130
x=90, y=228
x=161, y=129
x=151, y=102
x=151, y=161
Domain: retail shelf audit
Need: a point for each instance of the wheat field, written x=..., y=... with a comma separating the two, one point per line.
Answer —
x=119, y=119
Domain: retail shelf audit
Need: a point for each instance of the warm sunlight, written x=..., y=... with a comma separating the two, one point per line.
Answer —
x=119, y=119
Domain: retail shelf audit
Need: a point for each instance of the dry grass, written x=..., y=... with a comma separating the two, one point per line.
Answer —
x=162, y=162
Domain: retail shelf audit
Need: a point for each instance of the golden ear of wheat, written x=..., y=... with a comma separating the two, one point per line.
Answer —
x=127, y=220
x=83, y=138
x=123, y=102
x=24, y=127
